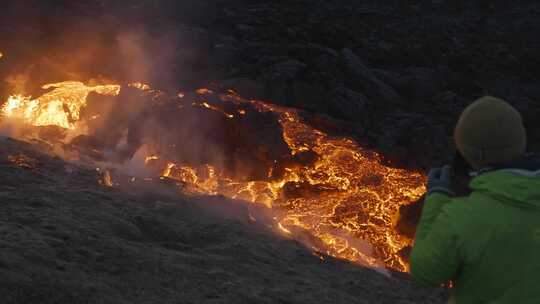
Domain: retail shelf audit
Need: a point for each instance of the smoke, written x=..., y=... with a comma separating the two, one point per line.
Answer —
x=135, y=60
x=10, y=128
x=136, y=166
x=15, y=128
x=128, y=128
x=17, y=83
x=366, y=250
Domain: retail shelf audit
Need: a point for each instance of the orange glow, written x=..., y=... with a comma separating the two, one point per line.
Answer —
x=346, y=199
x=150, y=158
x=214, y=108
x=140, y=86
x=203, y=91
x=23, y=161
x=106, y=179
x=359, y=199
x=60, y=107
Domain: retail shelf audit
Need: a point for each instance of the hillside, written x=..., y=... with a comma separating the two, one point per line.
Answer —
x=66, y=239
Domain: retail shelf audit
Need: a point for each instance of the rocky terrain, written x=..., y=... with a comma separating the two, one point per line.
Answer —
x=402, y=73
x=394, y=77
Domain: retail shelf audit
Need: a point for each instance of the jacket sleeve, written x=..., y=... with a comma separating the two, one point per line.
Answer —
x=435, y=258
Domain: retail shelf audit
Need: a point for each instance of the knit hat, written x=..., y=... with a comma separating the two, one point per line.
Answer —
x=489, y=132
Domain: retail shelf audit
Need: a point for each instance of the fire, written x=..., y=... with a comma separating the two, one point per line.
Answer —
x=60, y=107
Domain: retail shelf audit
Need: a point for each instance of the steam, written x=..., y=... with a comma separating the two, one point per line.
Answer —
x=136, y=166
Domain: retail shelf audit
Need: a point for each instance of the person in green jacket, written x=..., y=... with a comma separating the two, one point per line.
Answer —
x=488, y=243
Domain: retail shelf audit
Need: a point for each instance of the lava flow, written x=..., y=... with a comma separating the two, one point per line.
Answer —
x=341, y=202
x=60, y=107
x=347, y=199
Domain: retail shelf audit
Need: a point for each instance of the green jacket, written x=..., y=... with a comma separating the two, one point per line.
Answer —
x=488, y=243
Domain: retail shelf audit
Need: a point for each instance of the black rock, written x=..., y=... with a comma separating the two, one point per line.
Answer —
x=362, y=79
x=350, y=105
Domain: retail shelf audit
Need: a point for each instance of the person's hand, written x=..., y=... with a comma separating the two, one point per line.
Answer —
x=440, y=180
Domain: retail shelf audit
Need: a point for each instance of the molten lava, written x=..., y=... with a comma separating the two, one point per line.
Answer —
x=60, y=107
x=345, y=200
x=23, y=161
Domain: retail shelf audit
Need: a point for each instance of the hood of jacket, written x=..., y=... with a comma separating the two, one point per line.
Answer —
x=519, y=187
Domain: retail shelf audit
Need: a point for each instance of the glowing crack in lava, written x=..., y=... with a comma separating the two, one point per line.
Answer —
x=342, y=204
x=347, y=199
x=60, y=107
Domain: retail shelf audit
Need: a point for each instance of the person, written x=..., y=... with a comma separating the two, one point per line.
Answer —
x=486, y=244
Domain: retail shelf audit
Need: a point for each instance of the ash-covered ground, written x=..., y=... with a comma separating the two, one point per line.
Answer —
x=64, y=238
x=397, y=76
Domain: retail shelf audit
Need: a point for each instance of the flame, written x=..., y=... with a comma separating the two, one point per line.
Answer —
x=60, y=107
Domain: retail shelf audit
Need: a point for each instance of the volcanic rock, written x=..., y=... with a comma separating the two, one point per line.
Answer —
x=420, y=84
x=350, y=105
x=247, y=144
x=279, y=79
x=405, y=137
x=246, y=87
x=362, y=79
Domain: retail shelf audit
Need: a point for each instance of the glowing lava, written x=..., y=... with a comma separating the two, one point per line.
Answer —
x=60, y=107
x=345, y=200
x=23, y=161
